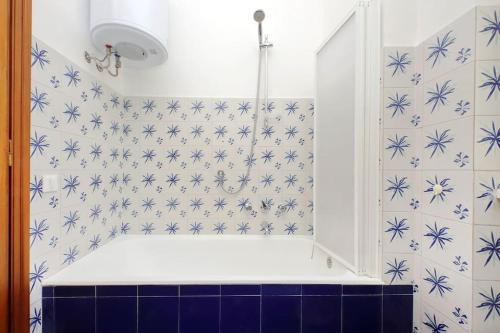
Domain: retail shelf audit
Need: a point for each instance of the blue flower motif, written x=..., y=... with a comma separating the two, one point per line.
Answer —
x=397, y=269
x=399, y=62
x=398, y=186
x=96, y=121
x=445, y=188
x=173, y=131
x=220, y=107
x=269, y=107
x=290, y=180
x=439, y=141
x=291, y=228
x=148, y=106
x=39, y=56
x=220, y=155
x=398, y=104
x=148, y=179
x=95, y=151
x=397, y=228
x=439, y=236
x=147, y=228
x=197, y=131
x=462, y=107
x=220, y=204
x=267, y=156
x=196, y=179
x=220, y=228
x=244, y=107
x=38, y=144
x=115, y=101
x=291, y=131
x=266, y=228
x=290, y=204
x=172, y=228
x=37, y=230
x=244, y=131
x=127, y=105
x=97, y=90
x=415, y=120
x=148, y=155
x=95, y=212
x=95, y=182
x=439, y=96
x=462, y=264
x=243, y=227
x=36, y=320
x=172, y=204
x=173, y=155
x=416, y=78
x=267, y=131
x=439, y=283
x=39, y=100
x=220, y=131
x=70, y=220
x=72, y=111
x=491, y=26
x=492, y=137
x=196, y=204
x=434, y=325
x=70, y=184
x=38, y=274
x=36, y=188
x=461, y=159
x=73, y=76
x=440, y=48
x=490, y=303
x=196, y=228
x=463, y=55
x=173, y=106
x=267, y=180
x=250, y=160
x=491, y=248
x=461, y=211
x=148, y=131
x=71, y=148
x=290, y=156
x=197, y=107
x=95, y=242
x=291, y=107
x=492, y=82
x=71, y=255
x=489, y=193
x=398, y=145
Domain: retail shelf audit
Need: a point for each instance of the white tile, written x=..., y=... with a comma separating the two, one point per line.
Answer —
x=454, y=196
x=397, y=268
x=449, y=145
x=399, y=66
x=400, y=149
x=486, y=205
x=399, y=108
x=487, y=144
x=486, y=318
x=448, y=243
x=452, y=47
x=398, y=187
x=487, y=37
x=450, y=96
x=487, y=89
x=486, y=256
x=398, y=232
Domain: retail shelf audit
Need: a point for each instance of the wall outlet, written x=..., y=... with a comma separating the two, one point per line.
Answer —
x=50, y=183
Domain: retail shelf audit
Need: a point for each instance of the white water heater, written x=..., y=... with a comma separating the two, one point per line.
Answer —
x=136, y=29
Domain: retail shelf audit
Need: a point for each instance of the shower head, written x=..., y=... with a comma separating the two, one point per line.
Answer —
x=259, y=15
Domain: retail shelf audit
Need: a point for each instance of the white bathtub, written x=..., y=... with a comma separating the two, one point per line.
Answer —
x=163, y=259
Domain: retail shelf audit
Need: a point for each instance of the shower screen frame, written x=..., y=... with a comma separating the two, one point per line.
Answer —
x=363, y=257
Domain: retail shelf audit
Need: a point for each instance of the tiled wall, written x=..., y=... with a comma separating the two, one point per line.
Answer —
x=442, y=126
x=176, y=146
x=149, y=165
x=228, y=309
x=72, y=115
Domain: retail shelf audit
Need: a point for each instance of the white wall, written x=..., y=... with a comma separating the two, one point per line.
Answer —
x=64, y=25
x=436, y=14
x=399, y=19
x=213, y=49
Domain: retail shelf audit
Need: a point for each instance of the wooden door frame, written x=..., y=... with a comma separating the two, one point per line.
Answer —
x=15, y=63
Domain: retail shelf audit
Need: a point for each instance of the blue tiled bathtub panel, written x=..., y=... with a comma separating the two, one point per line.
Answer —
x=269, y=308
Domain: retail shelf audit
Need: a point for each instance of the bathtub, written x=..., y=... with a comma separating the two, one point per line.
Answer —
x=219, y=284
x=186, y=259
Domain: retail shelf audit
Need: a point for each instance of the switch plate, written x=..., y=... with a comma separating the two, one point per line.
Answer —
x=50, y=183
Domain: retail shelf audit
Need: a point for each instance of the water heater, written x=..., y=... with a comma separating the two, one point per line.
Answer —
x=136, y=29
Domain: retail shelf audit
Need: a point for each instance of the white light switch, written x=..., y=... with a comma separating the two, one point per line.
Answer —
x=50, y=183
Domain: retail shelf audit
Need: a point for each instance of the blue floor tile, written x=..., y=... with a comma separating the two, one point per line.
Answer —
x=158, y=314
x=199, y=314
x=281, y=314
x=321, y=314
x=75, y=315
x=398, y=313
x=240, y=314
x=116, y=314
x=362, y=314
x=48, y=315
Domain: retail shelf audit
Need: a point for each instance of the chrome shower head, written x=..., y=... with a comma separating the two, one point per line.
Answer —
x=259, y=15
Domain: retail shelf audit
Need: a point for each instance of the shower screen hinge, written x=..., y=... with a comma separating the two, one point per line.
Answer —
x=11, y=153
x=364, y=3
